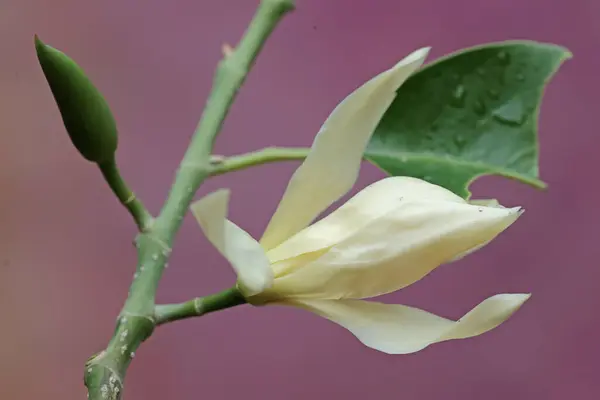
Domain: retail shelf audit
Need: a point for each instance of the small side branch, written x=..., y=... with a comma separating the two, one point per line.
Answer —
x=143, y=219
x=199, y=306
x=222, y=165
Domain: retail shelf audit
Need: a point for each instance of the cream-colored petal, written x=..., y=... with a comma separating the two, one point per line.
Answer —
x=395, y=250
x=243, y=252
x=332, y=165
x=485, y=203
x=398, y=329
x=367, y=205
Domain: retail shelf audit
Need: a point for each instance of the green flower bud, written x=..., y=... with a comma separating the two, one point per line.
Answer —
x=84, y=110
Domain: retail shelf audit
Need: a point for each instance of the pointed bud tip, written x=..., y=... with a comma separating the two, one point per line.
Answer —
x=38, y=42
x=40, y=46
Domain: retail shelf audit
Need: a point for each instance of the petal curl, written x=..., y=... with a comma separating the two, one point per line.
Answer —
x=485, y=203
x=398, y=329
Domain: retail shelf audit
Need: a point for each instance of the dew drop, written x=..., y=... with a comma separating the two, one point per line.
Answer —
x=503, y=58
x=89, y=370
x=479, y=107
x=493, y=93
x=460, y=140
x=458, y=96
x=520, y=77
x=132, y=354
x=403, y=159
x=512, y=113
x=155, y=256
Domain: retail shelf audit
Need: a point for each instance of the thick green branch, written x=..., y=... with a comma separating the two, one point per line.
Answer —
x=199, y=306
x=105, y=372
x=136, y=208
x=222, y=165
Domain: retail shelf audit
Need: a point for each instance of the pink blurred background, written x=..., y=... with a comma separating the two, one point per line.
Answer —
x=65, y=244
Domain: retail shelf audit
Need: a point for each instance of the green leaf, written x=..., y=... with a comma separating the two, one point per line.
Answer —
x=469, y=114
x=85, y=113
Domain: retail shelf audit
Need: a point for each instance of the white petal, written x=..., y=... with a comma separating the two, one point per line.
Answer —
x=245, y=254
x=332, y=166
x=367, y=205
x=398, y=329
x=485, y=203
x=396, y=249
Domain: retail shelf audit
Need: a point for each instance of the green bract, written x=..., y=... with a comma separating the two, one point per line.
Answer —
x=469, y=114
x=84, y=110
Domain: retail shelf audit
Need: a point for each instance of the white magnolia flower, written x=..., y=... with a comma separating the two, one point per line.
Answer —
x=388, y=236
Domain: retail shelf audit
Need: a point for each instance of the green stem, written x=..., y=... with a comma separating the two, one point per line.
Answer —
x=222, y=165
x=231, y=73
x=199, y=306
x=143, y=219
x=105, y=371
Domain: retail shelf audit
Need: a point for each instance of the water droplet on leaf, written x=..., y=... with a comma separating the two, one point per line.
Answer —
x=458, y=96
x=479, y=107
x=460, y=141
x=503, y=57
x=512, y=113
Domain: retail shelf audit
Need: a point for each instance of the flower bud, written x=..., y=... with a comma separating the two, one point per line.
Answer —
x=85, y=113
